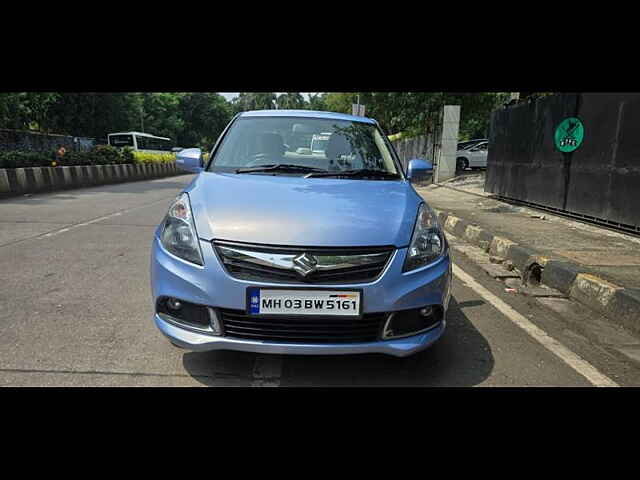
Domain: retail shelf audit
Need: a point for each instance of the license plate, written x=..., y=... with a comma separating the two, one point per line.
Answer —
x=267, y=301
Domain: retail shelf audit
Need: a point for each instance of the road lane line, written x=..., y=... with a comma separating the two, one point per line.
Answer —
x=577, y=363
x=267, y=370
x=68, y=227
x=95, y=220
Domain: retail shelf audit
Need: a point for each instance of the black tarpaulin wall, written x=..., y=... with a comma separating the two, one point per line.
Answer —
x=600, y=179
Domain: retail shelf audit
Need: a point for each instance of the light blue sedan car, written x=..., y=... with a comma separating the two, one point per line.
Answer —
x=278, y=248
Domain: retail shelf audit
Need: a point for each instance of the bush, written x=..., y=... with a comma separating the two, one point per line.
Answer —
x=98, y=155
x=147, y=157
x=107, y=155
x=127, y=155
x=24, y=159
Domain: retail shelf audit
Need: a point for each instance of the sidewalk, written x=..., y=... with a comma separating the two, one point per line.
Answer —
x=596, y=266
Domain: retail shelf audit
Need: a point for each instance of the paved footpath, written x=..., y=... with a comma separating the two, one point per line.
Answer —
x=76, y=311
x=596, y=266
x=612, y=255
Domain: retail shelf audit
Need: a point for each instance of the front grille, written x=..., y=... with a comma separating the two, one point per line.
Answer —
x=283, y=328
x=263, y=274
x=368, y=271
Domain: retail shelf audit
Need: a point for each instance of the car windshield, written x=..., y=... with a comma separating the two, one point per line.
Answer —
x=315, y=144
x=469, y=144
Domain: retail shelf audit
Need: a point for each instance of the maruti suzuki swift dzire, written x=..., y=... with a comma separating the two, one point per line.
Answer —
x=277, y=247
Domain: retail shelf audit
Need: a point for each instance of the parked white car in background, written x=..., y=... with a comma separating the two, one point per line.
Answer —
x=474, y=157
x=471, y=143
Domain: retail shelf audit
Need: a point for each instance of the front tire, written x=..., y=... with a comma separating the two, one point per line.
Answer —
x=461, y=164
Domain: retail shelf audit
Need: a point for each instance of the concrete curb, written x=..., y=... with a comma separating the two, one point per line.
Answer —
x=618, y=304
x=5, y=186
x=18, y=181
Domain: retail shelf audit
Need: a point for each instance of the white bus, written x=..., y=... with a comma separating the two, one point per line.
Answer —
x=143, y=142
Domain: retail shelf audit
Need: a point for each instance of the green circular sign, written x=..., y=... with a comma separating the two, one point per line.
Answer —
x=569, y=134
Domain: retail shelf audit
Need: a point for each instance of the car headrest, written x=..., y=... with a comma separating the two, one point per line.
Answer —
x=271, y=143
x=338, y=145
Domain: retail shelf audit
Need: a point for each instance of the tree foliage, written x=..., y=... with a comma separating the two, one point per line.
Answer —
x=205, y=115
x=161, y=114
x=23, y=110
x=197, y=119
x=416, y=112
x=291, y=101
x=339, y=102
x=190, y=119
x=317, y=101
x=253, y=101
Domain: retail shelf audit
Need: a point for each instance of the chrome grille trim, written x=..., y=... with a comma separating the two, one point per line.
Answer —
x=303, y=265
x=285, y=261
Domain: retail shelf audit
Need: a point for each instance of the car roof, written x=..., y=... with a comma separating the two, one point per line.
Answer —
x=139, y=134
x=307, y=114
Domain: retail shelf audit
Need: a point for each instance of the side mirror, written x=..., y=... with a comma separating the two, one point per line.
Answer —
x=419, y=169
x=190, y=159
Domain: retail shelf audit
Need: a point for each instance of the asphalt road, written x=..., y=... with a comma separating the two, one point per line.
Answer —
x=76, y=311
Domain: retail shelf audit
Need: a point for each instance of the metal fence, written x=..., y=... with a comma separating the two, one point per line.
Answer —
x=599, y=181
x=416, y=147
x=25, y=140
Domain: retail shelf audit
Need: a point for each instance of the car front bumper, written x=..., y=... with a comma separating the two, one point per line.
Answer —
x=199, y=342
x=211, y=285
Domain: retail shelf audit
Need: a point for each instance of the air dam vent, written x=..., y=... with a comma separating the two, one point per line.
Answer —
x=237, y=324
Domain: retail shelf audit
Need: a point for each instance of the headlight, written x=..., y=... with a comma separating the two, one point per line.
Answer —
x=179, y=231
x=427, y=242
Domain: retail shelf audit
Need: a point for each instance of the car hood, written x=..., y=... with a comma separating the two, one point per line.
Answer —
x=296, y=211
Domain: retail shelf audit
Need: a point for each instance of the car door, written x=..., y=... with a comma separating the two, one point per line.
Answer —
x=478, y=155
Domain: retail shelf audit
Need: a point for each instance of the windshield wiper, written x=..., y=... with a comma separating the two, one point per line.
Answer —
x=363, y=172
x=285, y=167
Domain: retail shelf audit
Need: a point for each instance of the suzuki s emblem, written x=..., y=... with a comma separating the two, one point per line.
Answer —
x=305, y=264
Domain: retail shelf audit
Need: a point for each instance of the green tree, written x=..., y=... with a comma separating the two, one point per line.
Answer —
x=254, y=101
x=339, y=102
x=198, y=118
x=38, y=106
x=291, y=101
x=161, y=114
x=475, y=111
x=205, y=115
x=12, y=114
x=317, y=102
x=93, y=114
x=417, y=113
x=26, y=110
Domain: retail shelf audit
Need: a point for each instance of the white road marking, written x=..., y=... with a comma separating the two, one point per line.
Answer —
x=96, y=220
x=580, y=365
x=267, y=370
